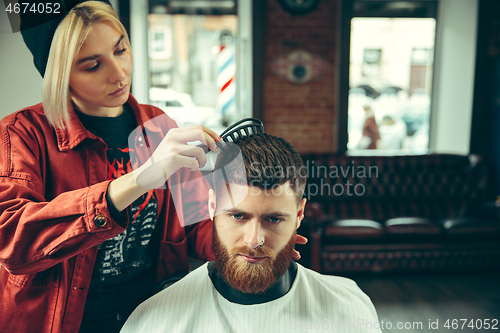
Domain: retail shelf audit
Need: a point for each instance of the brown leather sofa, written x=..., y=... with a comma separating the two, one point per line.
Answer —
x=399, y=213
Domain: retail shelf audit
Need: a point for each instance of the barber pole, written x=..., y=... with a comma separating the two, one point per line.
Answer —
x=226, y=70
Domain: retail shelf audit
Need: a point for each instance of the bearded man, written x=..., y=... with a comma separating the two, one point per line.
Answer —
x=254, y=285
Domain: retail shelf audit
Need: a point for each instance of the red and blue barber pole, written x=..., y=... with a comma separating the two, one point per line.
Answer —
x=226, y=71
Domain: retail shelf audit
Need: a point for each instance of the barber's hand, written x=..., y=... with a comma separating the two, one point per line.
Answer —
x=173, y=153
x=298, y=240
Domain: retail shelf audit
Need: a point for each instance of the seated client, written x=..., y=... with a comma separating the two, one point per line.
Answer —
x=254, y=285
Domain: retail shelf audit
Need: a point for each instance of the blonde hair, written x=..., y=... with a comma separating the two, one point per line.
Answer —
x=69, y=37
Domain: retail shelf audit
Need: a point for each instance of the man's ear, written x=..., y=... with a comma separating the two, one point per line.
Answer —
x=300, y=213
x=211, y=204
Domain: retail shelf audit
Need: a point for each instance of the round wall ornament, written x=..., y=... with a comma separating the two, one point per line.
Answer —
x=299, y=66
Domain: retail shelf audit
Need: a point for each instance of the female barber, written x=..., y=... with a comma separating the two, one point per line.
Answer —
x=82, y=243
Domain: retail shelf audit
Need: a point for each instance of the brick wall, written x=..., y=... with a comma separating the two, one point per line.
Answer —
x=304, y=114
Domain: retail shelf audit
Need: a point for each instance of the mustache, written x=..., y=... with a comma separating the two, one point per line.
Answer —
x=257, y=252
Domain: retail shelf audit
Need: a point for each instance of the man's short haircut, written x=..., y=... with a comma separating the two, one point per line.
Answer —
x=269, y=161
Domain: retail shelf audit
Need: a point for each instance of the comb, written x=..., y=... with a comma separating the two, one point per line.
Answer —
x=253, y=126
x=232, y=132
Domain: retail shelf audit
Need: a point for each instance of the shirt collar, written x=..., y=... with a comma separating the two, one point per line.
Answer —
x=279, y=289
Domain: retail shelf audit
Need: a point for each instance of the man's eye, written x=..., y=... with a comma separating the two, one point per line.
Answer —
x=274, y=219
x=237, y=216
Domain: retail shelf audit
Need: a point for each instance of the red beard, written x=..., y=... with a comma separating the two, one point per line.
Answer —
x=248, y=277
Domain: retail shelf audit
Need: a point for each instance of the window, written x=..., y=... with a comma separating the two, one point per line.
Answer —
x=390, y=80
x=160, y=42
x=391, y=53
x=195, y=55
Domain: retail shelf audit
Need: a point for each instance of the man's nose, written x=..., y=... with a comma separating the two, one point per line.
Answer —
x=254, y=234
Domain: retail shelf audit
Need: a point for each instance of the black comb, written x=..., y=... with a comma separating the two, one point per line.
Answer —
x=255, y=126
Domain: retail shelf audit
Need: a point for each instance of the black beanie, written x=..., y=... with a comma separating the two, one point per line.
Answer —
x=38, y=30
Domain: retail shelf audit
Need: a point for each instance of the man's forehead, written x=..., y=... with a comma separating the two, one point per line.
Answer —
x=246, y=198
x=283, y=190
x=257, y=186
